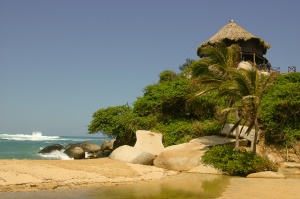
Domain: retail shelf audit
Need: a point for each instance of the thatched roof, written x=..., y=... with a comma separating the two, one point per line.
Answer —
x=235, y=33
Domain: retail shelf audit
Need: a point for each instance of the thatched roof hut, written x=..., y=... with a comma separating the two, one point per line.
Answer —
x=253, y=48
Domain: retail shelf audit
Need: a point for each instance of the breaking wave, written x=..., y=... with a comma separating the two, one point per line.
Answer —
x=60, y=155
x=35, y=136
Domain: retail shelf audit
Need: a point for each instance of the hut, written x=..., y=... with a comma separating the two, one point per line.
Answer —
x=252, y=48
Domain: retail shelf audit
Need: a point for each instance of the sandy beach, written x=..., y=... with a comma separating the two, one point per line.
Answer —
x=35, y=175
x=30, y=175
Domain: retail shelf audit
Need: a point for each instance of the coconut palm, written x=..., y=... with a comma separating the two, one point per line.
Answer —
x=213, y=72
x=247, y=88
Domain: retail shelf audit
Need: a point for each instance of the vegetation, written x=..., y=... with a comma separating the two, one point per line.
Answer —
x=204, y=95
x=280, y=110
x=215, y=73
x=236, y=162
x=243, y=88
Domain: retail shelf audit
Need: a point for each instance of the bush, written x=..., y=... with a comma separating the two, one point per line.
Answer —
x=236, y=162
x=279, y=110
x=181, y=131
x=175, y=132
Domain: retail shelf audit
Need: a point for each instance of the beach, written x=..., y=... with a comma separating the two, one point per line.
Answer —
x=37, y=175
x=29, y=175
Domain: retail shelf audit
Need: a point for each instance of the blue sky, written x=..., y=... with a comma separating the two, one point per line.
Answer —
x=62, y=60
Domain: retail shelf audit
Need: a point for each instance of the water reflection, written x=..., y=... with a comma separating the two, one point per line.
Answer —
x=183, y=186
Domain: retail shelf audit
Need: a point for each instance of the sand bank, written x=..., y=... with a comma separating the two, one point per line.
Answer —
x=29, y=175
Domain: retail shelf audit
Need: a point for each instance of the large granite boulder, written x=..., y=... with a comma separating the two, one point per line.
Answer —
x=149, y=142
x=106, y=148
x=182, y=157
x=266, y=174
x=87, y=150
x=132, y=155
x=75, y=152
x=49, y=149
x=89, y=147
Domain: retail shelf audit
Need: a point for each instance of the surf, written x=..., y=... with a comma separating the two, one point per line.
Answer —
x=34, y=136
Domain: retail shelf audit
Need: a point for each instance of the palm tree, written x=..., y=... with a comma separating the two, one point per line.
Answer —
x=247, y=88
x=213, y=72
x=242, y=88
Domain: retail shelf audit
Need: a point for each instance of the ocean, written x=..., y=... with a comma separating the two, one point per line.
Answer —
x=27, y=146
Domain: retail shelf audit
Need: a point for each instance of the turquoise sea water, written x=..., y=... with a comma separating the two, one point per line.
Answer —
x=27, y=146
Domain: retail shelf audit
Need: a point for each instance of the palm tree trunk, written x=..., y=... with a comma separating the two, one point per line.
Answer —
x=255, y=136
x=237, y=131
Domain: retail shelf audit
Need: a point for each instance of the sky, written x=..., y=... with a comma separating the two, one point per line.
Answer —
x=62, y=60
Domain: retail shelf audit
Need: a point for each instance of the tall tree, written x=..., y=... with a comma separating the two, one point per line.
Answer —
x=247, y=88
x=213, y=72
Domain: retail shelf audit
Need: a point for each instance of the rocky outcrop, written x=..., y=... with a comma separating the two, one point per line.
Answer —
x=266, y=174
x=89, y=147
x=49, y=149
x=182, y=157
x=106, y=148
x=149, y=142
x=132, y=155
x=89, y=150
x=75, y=152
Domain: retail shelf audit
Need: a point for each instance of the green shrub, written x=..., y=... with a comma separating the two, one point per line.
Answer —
x=206, y=127
x=236, y=162
x=279, y=110
x=181, y=131
x=175, y=132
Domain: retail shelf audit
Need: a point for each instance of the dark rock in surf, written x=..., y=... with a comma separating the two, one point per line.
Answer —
x=49, y=149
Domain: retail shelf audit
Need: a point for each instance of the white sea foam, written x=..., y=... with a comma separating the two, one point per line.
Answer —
x=56, y=155
x=35, y=136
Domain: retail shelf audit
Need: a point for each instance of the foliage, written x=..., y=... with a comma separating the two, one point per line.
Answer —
x=280, y=110
x=236, y=162
x=110, y=120
x=175, y=131
x=180, y=131
x=167, y=76
x=167, y=97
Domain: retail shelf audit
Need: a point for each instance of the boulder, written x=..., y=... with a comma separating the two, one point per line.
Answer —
x=182, y=157
x=266, y=174
x=75, y=152
x=89, y=147
x=49, y=149
x=149, y=142
x=106, y=145
x=132, y=155
x=205, y=169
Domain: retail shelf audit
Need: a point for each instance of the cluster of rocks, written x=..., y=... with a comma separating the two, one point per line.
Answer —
x=186, y=157
x=149, y=150
x=82, y=150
